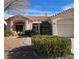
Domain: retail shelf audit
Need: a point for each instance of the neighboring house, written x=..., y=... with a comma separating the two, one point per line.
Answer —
x=61, y=24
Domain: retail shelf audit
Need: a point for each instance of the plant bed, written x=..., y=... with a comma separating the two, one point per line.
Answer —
x=49, y=47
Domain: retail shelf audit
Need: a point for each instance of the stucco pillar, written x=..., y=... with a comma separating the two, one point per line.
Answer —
x=54, y=27
x=26, y=24
x=30, y=26
x=39, y=28
x=11, y=26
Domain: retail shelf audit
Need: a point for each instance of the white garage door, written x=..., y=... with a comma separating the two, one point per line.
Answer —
x=65, y=27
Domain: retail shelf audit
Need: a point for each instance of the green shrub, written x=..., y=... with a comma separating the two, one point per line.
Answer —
x=51, y=46
x=7, y=33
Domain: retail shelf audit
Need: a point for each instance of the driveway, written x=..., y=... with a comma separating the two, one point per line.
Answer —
x=18, y=48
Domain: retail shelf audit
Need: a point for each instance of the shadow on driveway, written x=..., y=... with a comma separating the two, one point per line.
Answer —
x=24, y=52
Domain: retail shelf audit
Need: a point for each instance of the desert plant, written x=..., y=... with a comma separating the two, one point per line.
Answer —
x=51, y=46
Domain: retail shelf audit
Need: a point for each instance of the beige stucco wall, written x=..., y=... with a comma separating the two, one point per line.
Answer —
x=28, y=25
x=54, y=27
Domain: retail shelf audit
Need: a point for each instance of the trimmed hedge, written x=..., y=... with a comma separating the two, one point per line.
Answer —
x=51, y=46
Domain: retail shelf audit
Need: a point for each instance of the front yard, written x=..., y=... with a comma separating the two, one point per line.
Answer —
x=20, y=48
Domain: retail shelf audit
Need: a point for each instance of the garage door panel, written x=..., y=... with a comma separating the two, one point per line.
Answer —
x=65, y=21
x=65, y=29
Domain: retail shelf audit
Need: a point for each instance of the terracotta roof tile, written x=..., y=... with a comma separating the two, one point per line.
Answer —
x=39, y=18
x=31, y=18
x=61, y=14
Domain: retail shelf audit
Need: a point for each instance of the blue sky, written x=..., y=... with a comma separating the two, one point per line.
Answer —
x=39, y=7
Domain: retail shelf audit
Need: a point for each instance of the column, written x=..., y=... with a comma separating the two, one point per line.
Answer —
x=39, y=28
x=30, y=26
x=26, y=24
x=11, y=25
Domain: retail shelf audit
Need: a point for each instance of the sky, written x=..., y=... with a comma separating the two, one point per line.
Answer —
x=40, y=7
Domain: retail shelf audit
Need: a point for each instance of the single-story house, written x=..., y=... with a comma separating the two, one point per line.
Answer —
x=61, y=24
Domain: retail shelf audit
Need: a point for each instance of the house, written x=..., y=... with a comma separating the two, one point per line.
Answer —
x=61, y=24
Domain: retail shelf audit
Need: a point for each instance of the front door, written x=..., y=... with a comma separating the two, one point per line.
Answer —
x=19, y=28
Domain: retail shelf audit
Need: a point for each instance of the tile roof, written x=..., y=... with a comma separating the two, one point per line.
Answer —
x=39, y=18
x=31, y=18
x=61, y=14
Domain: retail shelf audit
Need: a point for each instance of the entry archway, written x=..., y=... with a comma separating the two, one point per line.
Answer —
x=19, y=26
